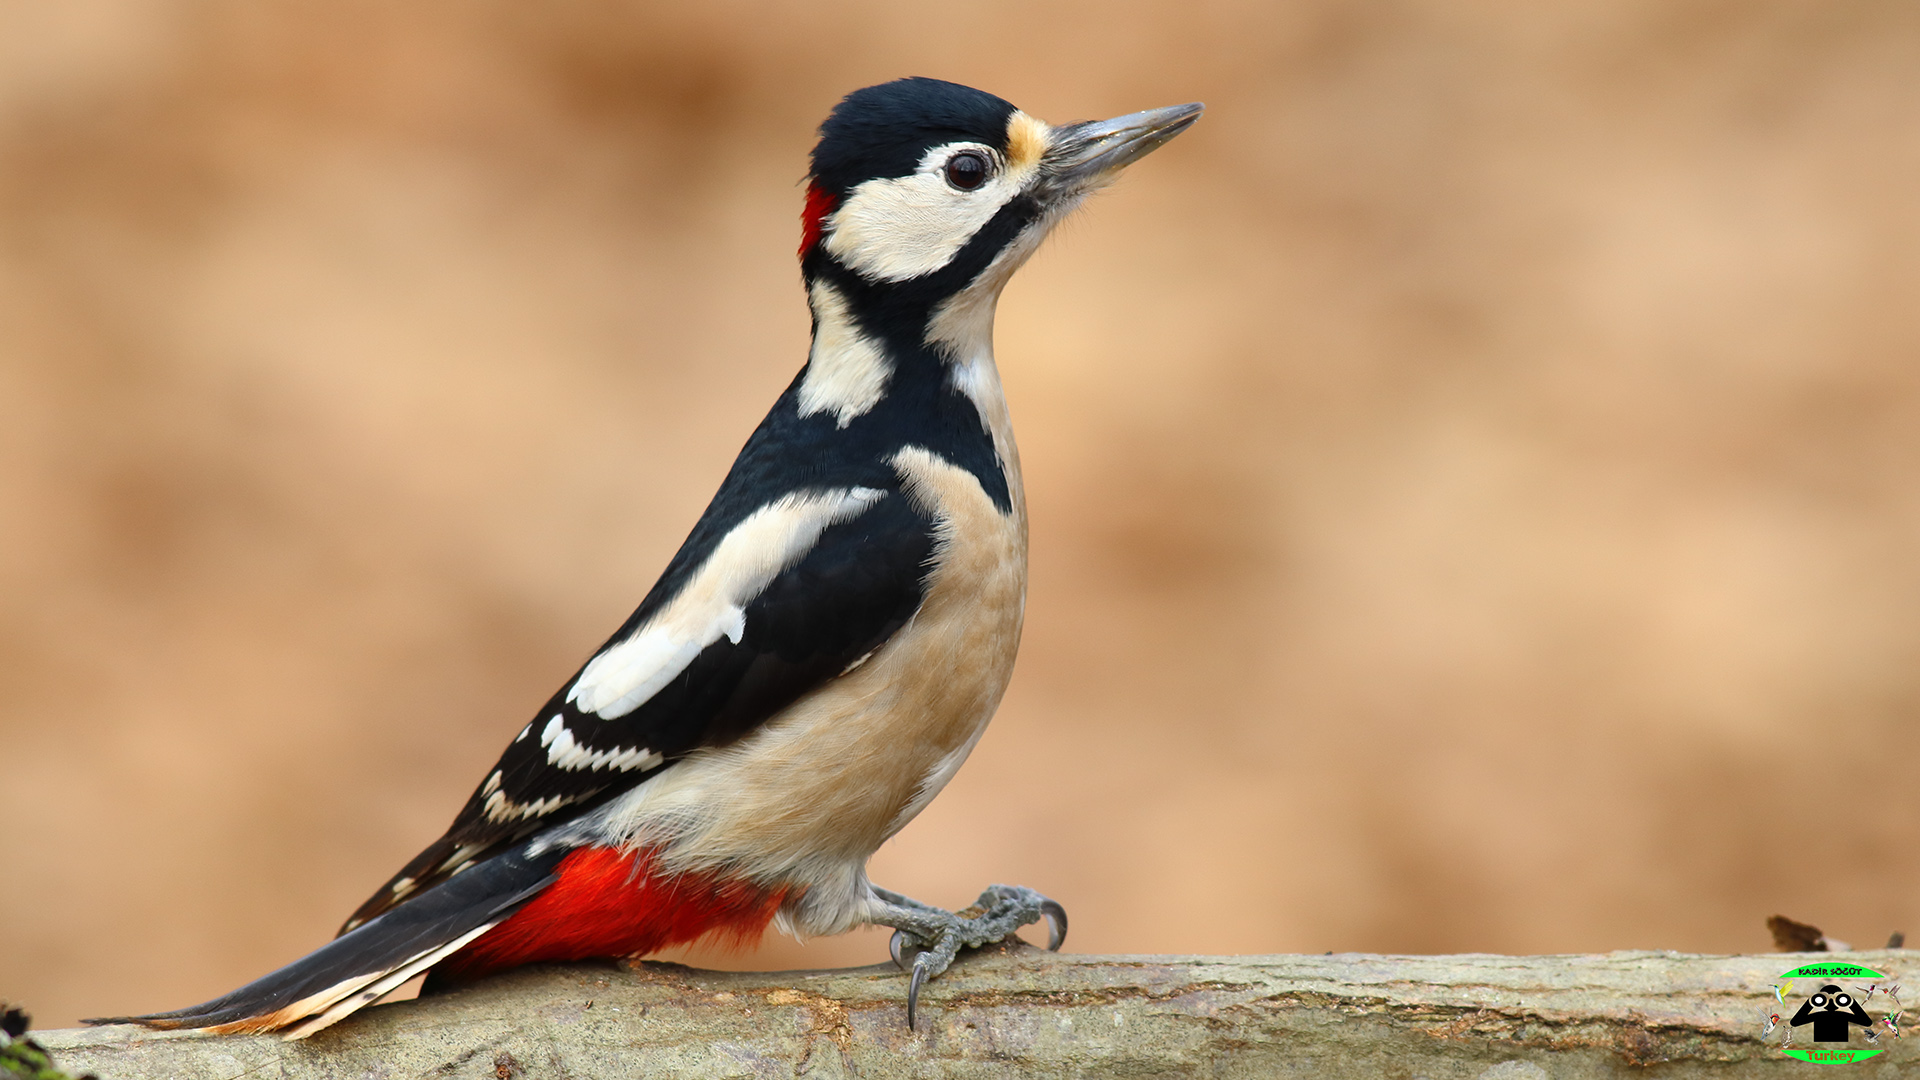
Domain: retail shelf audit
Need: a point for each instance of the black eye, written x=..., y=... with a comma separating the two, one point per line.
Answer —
x=966, y=170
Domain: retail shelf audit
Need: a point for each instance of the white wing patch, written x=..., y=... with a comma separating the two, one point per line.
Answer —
x=564, y=753
x=713, y=603
x=847, y=371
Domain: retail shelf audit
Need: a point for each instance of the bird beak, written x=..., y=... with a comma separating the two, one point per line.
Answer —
x=1086, y=155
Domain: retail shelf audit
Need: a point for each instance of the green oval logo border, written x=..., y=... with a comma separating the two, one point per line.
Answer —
x=1835, y=1056
x=1832, y=971
x=1831, y=1057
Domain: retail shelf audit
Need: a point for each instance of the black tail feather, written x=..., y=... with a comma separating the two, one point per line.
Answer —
x=484, y=893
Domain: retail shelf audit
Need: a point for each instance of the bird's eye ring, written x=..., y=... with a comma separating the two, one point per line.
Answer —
x=967, y=170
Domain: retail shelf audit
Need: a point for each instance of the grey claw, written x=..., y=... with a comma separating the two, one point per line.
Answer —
x=1056, y=924
x=913, y=991
x=894, y=945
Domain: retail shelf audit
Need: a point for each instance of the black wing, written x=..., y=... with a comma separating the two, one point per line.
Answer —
x=859, y=582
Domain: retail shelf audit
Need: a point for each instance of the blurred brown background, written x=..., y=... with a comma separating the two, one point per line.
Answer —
x=1472, y=472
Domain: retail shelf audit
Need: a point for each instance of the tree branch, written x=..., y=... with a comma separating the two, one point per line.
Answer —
x=1014, y=1010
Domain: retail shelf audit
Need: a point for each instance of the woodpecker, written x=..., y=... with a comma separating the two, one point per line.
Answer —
x=826, y=647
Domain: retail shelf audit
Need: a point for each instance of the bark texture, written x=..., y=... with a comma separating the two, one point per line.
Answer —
x=1014, y=1010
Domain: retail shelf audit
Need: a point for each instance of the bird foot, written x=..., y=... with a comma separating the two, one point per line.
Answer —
x=937, y=935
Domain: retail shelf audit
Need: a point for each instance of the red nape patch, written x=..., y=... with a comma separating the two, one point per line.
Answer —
x=813, y=217
x=610, y=902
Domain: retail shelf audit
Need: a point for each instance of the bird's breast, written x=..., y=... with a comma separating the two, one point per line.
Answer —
x=808, y=797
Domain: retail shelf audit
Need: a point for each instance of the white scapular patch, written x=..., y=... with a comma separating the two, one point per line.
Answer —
x=564, y=753
x=713, y=602
x=895, y=228
x=847, y=371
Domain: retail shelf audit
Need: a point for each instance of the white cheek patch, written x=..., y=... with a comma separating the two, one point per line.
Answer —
x=713, y=602
x=902, y=227
x=847, y=371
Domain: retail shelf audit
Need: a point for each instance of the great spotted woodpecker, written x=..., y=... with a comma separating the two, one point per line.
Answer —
x=827, y=646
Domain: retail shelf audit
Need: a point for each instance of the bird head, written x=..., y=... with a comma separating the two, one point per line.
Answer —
x=925, y=196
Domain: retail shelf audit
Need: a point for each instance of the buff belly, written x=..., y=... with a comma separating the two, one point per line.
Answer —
x=802, y=803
